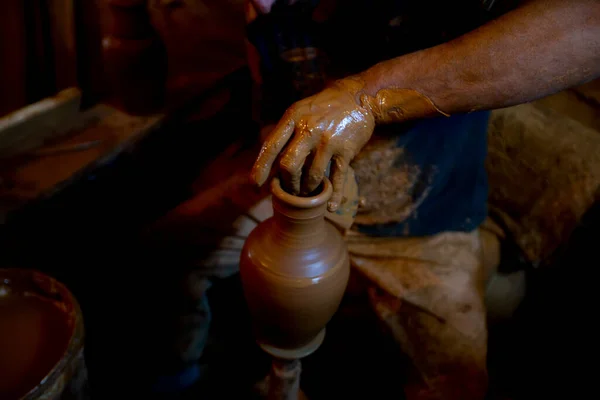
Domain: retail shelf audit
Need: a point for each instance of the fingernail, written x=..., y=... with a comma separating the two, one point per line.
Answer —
x=253, y=180
x=332, y=206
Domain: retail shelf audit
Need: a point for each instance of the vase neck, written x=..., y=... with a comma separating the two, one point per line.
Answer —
x=302, y=225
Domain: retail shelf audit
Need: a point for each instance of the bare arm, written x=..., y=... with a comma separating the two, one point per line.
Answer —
x=538, y=49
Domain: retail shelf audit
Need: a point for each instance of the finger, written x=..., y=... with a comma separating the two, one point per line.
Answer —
x=318, y=168
x=305, y=173
x=273, y=145
x=293, y=159
x=339, y=169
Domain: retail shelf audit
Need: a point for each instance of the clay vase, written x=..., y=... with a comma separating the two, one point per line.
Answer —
x=294, y=269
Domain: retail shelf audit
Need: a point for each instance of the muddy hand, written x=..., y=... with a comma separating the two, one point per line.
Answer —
x=334, y=125
x=329, y=126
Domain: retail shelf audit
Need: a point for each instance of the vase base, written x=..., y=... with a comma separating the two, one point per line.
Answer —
x=297, y=353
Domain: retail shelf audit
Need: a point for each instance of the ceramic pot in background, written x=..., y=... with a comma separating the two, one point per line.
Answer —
x=294, y=269
x=137, y=71
x=127, y=21
x=41, y=339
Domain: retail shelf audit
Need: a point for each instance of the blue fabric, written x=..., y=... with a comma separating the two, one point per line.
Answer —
x=450, y=152
x=177, y=382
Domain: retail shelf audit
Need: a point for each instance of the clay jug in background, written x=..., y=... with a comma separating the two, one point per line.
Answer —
x=135, y=58
x=294, y=269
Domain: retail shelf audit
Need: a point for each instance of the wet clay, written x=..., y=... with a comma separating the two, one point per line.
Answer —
x=329, y=126
x=392, y=104
x=34, y=335
x=294, y=269
x=388, y=182
x=333, y=126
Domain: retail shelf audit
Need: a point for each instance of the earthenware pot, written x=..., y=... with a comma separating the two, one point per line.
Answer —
x=41, y=338
x=294, y=269
x=137, y=71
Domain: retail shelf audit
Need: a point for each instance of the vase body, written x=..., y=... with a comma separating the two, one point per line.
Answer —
x=294, y=269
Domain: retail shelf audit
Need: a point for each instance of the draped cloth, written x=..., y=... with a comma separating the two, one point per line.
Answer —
x=429, y=295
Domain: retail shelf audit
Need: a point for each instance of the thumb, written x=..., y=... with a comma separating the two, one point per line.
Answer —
x=339, y=169
x=343, y=217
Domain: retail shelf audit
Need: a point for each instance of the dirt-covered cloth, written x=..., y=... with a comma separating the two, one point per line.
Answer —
x=429, y=294
x=424, y=177
x=544, y=174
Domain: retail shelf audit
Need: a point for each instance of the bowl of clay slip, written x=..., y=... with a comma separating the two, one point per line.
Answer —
x=41, y=338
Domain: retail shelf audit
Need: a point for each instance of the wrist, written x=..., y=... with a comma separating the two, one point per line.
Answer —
x=389, y=105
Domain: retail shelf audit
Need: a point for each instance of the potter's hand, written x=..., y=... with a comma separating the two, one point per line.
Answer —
x=331, y=125
x=262, y=6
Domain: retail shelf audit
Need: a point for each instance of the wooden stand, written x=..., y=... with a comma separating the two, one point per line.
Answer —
x=284, y=377
x=284, y=380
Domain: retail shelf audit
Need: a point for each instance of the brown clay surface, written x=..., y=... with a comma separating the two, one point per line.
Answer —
x=294, y=268
x=34, y=334
x=340, y=121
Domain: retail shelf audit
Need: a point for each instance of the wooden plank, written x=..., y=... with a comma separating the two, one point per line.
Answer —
x=41, y=174
x=30, y=126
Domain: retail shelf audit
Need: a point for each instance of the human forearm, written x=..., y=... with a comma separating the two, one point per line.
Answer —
x=538, y=49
